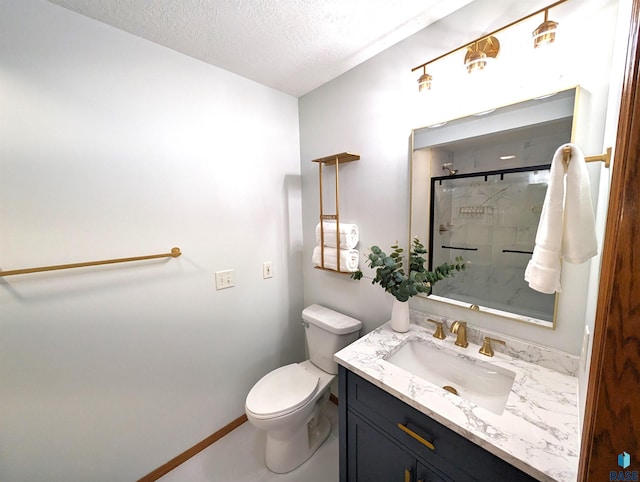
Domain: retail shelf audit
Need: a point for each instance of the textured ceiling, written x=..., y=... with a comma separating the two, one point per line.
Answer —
x=291, y=45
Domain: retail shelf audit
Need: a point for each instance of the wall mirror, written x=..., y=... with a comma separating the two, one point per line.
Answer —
x=477, y=188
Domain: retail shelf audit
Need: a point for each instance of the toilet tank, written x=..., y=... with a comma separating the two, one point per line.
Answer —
x=328, y=332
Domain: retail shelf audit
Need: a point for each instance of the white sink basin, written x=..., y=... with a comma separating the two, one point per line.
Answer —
x=479, y=382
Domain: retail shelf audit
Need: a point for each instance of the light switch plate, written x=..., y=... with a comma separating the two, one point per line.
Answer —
x=267, y=269
x=224, y=279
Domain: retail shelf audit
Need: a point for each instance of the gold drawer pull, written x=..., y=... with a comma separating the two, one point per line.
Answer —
x=420, y=439
x=407, y=475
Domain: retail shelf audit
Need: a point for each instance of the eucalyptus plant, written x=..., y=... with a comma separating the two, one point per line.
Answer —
x=391, y=275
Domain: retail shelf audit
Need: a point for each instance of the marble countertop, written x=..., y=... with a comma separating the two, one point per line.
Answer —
x=538, y=432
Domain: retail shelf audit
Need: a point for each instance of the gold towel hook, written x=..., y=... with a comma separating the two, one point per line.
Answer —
x=606, y=157
x=566, y=156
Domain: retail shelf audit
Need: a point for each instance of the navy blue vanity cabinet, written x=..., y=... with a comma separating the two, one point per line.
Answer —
x=375, y=457
x=382, y=439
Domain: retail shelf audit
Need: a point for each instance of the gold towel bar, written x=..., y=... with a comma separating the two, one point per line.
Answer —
x=606, y=157
x=175, y=252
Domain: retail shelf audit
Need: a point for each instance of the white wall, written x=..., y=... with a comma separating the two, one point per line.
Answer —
x=372, y=109
x=111, y=146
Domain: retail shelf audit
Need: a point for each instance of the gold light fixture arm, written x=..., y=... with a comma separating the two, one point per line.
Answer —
x=488, y=45
x=175, y=252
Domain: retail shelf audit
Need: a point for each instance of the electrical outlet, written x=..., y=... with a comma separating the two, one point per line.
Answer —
x=267, y=269
x=224, y=279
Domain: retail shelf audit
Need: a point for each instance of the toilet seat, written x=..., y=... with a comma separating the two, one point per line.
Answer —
x=281, y=391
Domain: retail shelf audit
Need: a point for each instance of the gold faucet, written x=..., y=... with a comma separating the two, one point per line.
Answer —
x=486, y=348
x=439, y=333
x=460, y=329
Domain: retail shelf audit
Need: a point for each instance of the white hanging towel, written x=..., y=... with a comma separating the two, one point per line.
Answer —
x=349, y=235
x=567, y=226
x=349, y=258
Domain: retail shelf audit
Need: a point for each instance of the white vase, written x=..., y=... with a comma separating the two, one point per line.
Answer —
x=400, y=316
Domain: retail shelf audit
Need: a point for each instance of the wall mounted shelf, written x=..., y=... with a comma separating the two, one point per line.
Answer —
x=332, y=160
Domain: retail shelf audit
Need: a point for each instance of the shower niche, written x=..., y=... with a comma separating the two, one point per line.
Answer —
x=477, y=188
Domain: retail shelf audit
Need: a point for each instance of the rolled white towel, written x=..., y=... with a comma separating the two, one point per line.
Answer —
x=349, y=235
x=349, y=259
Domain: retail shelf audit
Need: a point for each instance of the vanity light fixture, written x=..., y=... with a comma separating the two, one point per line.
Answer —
x=480, y=52
x=483, y=49
x=424, y=82
x=545, y=34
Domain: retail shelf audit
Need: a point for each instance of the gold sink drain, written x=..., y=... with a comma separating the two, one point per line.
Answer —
x=450, y=389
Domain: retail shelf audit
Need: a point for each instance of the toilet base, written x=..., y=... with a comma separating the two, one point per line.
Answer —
x=286, y=451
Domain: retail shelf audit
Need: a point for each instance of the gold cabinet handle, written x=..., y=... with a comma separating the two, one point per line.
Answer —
x=407, y=475
x=414, y=435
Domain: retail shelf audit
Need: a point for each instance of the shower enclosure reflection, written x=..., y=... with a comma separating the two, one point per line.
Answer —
x=490, y=218
x=477, y=188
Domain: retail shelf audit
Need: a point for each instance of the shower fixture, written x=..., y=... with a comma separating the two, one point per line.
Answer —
x=452, y=172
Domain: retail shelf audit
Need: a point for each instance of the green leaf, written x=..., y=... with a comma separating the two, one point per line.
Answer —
x=390, y=262
x=390, y=270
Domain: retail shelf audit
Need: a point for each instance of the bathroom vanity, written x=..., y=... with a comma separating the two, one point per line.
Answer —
x=389, y=440
x=398, y=423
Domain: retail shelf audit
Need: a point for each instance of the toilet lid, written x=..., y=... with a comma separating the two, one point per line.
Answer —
x=282, y=391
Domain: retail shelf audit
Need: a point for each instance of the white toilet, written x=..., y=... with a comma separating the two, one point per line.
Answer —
x=288, y=403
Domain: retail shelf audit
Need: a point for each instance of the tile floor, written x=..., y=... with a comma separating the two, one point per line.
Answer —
x=239, y=457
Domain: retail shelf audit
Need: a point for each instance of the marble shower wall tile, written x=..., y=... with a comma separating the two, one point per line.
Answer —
x=494, y=220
